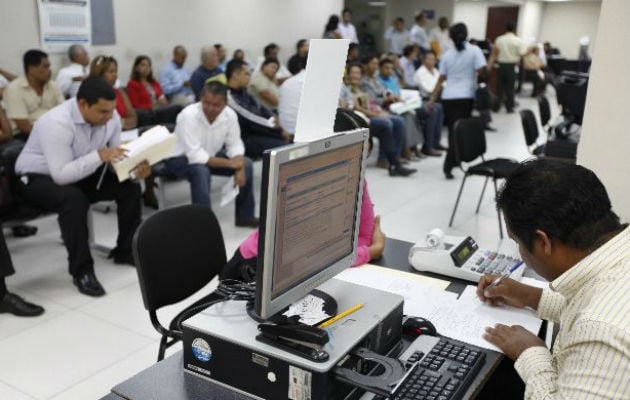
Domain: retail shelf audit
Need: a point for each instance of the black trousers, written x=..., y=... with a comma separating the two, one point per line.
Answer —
x=506, y=78
x=453, y=110
x=6, y=265
x=72, y=202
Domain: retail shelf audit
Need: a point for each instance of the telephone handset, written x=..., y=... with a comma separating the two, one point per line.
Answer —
x=459, y=257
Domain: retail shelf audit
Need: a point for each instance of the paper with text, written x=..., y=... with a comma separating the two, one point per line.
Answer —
x=153, y=146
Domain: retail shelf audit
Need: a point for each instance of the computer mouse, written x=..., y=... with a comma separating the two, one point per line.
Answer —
x=415, y=326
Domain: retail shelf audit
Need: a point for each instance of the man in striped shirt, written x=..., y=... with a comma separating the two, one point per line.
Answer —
x=561, y=218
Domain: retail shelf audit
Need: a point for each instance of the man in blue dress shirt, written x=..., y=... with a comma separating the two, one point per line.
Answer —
x=175, y=79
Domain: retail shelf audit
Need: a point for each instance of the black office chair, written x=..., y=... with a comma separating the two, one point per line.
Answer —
x=177, y=252
x=530, y=129
x=544, y=110
x=469, y=143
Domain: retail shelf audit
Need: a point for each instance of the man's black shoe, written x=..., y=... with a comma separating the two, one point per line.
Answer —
x=400, y=171
x=490, y=128
x=122, y=257
x=88, y=284
x=14, y=304
x=24, y=230
x=448, y=175
x=248, y=222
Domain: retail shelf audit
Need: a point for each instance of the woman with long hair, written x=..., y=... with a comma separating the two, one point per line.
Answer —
x=331, y=31
x=460, y=67
x=106, y=67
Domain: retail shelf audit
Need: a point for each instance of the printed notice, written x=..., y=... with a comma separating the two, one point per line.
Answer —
x=63, y=23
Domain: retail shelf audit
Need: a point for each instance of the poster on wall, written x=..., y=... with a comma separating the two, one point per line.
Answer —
x=63, y=23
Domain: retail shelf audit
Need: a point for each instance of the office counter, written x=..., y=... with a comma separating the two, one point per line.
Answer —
x=167, y=379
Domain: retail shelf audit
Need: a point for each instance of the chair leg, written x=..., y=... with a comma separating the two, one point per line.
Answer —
x=481, y=197
x=459, y=195
x=498, y=211
x=162, y=348
x=161, y=193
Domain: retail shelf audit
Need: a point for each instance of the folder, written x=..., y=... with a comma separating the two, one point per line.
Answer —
x=154, y=145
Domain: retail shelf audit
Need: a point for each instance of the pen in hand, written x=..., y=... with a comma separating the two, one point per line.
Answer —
x=504, y=276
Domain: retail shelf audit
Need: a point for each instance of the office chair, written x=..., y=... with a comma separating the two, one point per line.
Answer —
x=544, y=110
x=530, y=129
x=469, y=143
x=177, y=252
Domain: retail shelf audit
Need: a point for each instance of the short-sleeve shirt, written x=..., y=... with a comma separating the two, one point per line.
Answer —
x=460, y=69
x=260, y=82
x=23, y=102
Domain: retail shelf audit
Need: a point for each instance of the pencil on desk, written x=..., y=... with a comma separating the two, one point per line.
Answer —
x=339, y=316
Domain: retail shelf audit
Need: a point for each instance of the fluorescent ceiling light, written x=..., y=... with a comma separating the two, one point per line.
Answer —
x=377, y=3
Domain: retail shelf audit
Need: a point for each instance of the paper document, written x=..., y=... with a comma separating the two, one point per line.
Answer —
x=383, y=278
x=154, y=145
x=321, y=90
x=229, y=191
x=128, y=136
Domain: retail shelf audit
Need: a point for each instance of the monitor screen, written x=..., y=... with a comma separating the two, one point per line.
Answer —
x=310, y=207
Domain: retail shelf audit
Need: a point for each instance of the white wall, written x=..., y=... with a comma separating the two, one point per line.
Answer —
x=409, y=8
x=606, y=138
x=153, y=27
x=563, y=24
x=529, y=19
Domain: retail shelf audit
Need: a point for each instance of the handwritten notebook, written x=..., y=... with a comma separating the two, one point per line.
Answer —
x=154, y=145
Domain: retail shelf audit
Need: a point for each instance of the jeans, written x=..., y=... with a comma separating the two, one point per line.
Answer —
x=391, y=140
x=198, y=175
x=255, y=145
x=433, y=127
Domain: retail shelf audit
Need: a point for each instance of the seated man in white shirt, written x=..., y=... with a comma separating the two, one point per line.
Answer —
x=69, y=78
x=64, y=165
x=203, y=129
x=562, y=220
x=425, y=79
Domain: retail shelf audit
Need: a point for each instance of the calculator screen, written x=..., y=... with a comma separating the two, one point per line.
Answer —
x=463, y=251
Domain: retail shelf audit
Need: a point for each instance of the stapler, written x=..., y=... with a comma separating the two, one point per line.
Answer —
x=303, y=340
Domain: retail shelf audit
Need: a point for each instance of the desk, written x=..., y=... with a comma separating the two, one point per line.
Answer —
x=167, y=379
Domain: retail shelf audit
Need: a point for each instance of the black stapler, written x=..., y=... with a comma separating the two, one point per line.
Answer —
x=303, y=340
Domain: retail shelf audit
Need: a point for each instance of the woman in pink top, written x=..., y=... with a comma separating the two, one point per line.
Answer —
x=371, y=244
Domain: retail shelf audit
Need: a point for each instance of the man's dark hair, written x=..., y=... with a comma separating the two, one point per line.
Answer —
x=234, y=66
x=353, y=64
x=426, y=53
x=93, y=89
x=567, y=202
x=510, y=26
x=346, y=10
x=300, y=43
x=400, y=19
x=384, y=61
x=269, y=48
x=407, y=50
x=366, y=59
x=33, y=58
x=215, y=88
x=270, y=60
x=420, y=16
x=352, y=46
x=218, y=46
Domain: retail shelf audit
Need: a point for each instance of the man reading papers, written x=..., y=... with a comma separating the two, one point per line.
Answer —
x=561, y=218
x=60, y=167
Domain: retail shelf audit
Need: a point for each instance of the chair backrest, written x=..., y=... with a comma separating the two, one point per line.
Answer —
x=470, y=139
x=530, y=126
x=177, y=252
x=544, y=109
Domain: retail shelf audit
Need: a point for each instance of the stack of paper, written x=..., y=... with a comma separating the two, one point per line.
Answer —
x=463, y=319
x=153, y=146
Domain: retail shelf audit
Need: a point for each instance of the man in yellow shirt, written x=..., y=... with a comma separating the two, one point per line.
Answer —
x=561, y=218
x=507, y=52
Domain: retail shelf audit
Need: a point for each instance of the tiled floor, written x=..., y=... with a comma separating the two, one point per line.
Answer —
x=82, y=346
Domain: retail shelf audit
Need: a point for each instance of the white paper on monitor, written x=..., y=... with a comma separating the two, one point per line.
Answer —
x=322, y=86
x=229, y=191
x=153, y=146
x=310, y=309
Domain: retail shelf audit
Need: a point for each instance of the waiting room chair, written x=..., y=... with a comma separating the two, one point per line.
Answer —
x=469, y=143
x=544, y=110
x=530, y=129
x=177, y=252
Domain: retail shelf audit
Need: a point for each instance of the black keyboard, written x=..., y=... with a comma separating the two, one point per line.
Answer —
x=438, y=368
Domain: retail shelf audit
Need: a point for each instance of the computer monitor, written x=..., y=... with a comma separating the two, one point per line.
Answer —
x=310, y=210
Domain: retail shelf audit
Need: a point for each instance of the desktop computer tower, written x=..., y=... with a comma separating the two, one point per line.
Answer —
x=220, y=345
